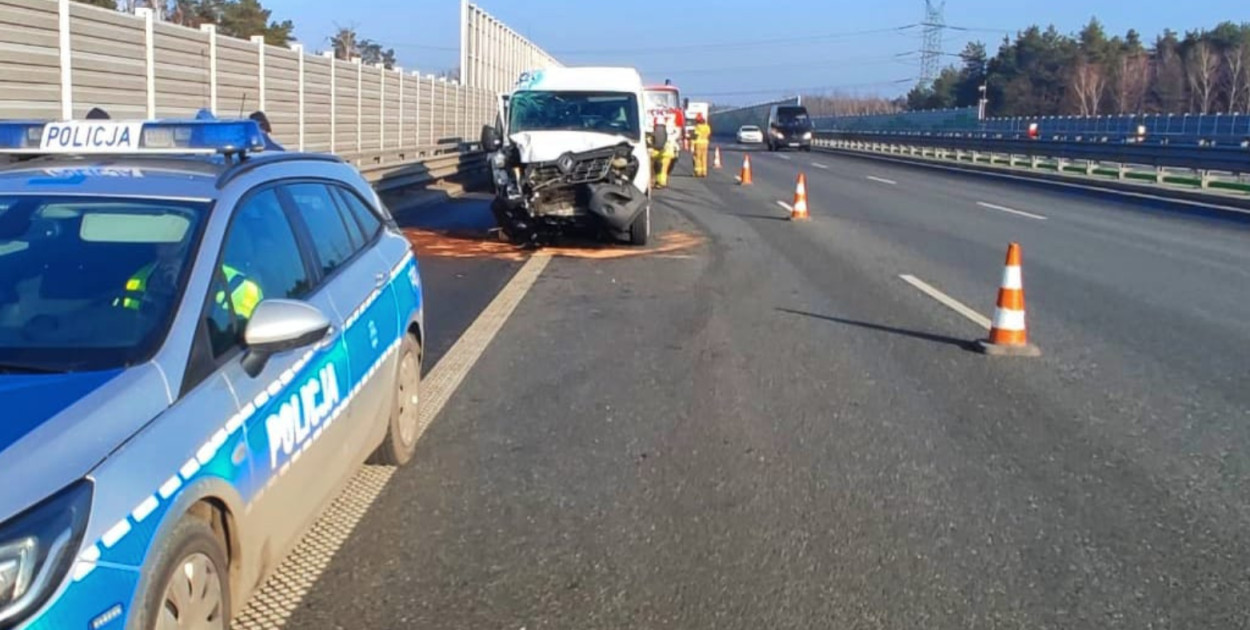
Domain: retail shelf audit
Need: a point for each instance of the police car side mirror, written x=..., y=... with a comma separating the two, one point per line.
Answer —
x=490, y=138
x=278, y=326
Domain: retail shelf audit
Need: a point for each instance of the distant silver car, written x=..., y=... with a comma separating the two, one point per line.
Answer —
x=750, y=134
x=200, y=342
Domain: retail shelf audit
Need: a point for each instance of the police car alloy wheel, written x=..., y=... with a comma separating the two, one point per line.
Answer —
x=405, y=419
x=190, y=590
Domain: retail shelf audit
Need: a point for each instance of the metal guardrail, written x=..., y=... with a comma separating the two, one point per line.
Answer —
x=420, y=172
x=1200, y=156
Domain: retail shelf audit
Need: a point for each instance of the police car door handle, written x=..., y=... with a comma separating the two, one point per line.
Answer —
x=380, y=279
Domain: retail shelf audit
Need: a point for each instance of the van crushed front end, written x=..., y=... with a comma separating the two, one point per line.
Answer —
x=537, y=199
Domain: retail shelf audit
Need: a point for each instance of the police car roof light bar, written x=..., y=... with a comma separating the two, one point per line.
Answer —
x=91, y=137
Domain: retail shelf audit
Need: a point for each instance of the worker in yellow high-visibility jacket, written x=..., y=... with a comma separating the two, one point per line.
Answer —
x=245, y=294
x=702, y=138
x=661, y=159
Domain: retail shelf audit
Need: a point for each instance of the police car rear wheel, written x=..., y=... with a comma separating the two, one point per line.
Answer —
x=192, y=591
x=405, y=420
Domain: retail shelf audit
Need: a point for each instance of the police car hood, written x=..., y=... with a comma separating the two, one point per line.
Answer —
x=545, y=146
x=55, y=428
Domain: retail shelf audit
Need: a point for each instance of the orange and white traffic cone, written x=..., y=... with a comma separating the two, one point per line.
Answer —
x=1009, y=335
x=798, y=211
x=745, y=177
x=716, y=159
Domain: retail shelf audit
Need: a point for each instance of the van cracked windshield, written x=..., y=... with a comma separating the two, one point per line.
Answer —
x=488, y=314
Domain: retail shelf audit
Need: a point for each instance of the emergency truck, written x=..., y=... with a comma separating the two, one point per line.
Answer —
x=663, y=105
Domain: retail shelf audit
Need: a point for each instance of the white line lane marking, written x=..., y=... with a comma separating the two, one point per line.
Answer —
x=788, y=207
x=272, y=606
x=947, y=300
x=882, y=180
x=783, y=157
x=994, y=206
x=819, y=165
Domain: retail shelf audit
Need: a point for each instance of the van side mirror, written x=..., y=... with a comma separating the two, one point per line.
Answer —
x=490, y=138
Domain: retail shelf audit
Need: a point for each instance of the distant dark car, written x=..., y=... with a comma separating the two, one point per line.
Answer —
x=789, y=126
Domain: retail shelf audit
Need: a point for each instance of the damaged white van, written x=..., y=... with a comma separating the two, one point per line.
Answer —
x=569, y=151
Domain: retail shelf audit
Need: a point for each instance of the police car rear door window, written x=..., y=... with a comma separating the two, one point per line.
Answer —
x=90, y=283
x=325, y=224
x=366, y=218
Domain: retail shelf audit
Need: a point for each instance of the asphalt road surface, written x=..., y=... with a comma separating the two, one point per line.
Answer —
x=758, y=423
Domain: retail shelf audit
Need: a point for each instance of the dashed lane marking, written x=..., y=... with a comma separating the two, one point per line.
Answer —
x=788, y=207
x=948, y=301
x=819, y=165
x=783, y=157
x=273, y=605
x=994, y=206
x=883, y=180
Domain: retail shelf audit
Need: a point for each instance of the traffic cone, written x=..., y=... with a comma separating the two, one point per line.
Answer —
x=716, y=159
x=745, y=177
x=1009, y=336
x=798, y=211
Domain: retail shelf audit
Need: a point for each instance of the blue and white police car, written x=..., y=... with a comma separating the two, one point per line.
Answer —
x=200, y=341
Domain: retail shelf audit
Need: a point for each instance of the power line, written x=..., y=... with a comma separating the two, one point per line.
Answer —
x=810, y=89
x=653, y=50
x=857, y=61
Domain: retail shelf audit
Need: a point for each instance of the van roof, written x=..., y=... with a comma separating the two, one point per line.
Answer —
x=591, y=79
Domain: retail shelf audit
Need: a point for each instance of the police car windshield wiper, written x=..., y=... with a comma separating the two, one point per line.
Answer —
x=18, y=368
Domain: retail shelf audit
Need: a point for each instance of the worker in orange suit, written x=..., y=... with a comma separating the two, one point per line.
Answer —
x=702, y=137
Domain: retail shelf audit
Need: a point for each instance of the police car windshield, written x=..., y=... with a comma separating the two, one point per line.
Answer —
x=605, y=112
x=90, y=283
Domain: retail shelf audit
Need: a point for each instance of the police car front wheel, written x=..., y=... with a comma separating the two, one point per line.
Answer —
x=403, y=426
x=191, y=589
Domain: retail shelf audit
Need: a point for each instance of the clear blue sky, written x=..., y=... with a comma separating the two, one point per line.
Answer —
x=836, y=44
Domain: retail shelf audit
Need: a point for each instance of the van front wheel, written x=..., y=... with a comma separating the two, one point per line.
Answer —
x=640, y=229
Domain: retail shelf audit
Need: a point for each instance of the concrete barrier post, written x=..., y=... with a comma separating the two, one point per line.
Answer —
x=65, y=46
x=299, y=50
x=381, y=106
x=399, y=133
x=360, y=119
x=334, y=89
x=259, y=40
x=149, y=46
x=211, y=30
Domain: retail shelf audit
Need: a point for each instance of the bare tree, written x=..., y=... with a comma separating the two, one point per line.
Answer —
x=1132, y=81
x=1088, y=84
x=1202, y=67
x=1237, y=77
x=345, y=42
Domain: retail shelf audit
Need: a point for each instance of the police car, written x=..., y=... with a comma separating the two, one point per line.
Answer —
x=200, y=341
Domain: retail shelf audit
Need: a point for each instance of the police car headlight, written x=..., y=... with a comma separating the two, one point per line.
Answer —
x=807, y=135
x=499, y=160
x=37, y=549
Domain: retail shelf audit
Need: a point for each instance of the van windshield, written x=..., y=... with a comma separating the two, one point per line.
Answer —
x=603, y=112
x=793, y=116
